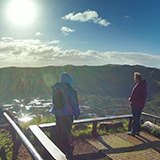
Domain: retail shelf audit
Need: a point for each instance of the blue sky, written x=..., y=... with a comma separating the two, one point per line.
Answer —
x=79, y=32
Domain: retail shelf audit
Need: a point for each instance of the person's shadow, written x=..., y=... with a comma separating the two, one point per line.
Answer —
x=89, y=156
x=145, y=145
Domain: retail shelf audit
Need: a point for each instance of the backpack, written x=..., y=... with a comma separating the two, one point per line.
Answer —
x=60, y=99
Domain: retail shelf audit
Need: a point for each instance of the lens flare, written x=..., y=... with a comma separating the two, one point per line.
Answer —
x=21, y=12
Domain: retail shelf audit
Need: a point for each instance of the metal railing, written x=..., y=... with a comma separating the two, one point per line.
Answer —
x=95, y=121
x=152, y=116
x=15, y=129
x=35, y=155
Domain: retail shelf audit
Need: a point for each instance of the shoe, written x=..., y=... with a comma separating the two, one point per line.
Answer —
x=137, y=133
x=131, y=133
x=69, y=152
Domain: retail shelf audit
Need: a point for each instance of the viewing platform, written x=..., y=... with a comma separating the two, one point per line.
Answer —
x=121, y=146
x=117, y=146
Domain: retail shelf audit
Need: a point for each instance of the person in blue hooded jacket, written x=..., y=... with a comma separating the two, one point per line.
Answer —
x=65, y=108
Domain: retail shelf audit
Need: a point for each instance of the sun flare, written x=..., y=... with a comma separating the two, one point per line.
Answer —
x=21, y=12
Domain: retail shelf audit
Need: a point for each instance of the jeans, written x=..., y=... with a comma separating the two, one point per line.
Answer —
x=136, y=112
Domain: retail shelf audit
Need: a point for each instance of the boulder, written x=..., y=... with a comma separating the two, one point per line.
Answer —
x=110, y=125
x=149, y=126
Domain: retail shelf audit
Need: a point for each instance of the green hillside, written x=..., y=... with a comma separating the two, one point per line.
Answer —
x=110, y=80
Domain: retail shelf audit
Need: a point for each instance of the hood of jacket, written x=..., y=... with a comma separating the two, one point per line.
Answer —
x=143, y=84
x=66, y=78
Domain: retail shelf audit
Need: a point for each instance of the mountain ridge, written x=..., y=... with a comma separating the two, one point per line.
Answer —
x=107, y=80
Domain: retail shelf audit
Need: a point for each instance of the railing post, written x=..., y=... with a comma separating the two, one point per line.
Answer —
x=155, y=120
x=94, y=129
x=130, y=124
x=16, y=144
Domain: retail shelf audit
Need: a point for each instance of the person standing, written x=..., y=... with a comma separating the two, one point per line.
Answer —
x=137, y=102
x=65, y=108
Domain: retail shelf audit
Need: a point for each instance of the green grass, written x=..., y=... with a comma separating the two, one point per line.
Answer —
x=6, y=142
x=38, y=120
x=88, y=132
x=156, y=133
x=82, y=133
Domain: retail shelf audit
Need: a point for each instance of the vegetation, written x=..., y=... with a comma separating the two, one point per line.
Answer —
x=156, y=133
x=6, y=142
x=37, y=120
x=102, y=87
x=116, y=80
x=81, y=130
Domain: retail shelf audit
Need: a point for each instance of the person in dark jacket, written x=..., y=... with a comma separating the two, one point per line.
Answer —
x=65, y=108
x=137, y=102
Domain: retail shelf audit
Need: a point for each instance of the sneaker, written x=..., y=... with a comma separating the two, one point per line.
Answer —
x=69, y=152
x=131, y=133
x=137, y=133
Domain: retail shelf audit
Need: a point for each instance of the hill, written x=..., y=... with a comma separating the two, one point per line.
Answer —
x=109, y=80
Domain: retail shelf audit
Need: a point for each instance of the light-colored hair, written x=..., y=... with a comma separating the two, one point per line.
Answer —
x=138, y=75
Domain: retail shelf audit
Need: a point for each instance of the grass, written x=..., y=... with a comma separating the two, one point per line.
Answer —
x=82, y=133
x=6, y=139
x=156, y=133
x=38, y=120
x=88, y=131
x=6, y=142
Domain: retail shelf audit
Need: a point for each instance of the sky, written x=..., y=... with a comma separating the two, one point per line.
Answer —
x=37, y=33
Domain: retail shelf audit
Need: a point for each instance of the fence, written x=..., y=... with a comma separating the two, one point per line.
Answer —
x=54, y=151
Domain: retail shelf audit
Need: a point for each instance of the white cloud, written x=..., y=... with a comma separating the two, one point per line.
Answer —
x=87, y=16
x=66, y=30
x=7, y=38
x=54, y=42
x=34, y=53
x=126, y=16
x=38, y=34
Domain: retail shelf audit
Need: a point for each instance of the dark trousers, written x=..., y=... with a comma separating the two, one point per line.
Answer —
x=63, y=138
x=136, y=112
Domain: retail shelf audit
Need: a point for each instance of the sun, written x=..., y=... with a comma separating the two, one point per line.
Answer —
x=21, y=12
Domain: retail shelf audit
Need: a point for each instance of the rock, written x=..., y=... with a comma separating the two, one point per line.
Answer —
x=149, y=126
x=111, y=125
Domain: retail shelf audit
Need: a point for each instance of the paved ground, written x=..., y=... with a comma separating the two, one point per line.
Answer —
x=121, y=146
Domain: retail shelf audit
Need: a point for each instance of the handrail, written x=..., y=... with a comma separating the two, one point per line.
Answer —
x=151, y=115
x=24, y=139
x=89, y=120
x=94, y=121
x=47, y=144
x=100, y=119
